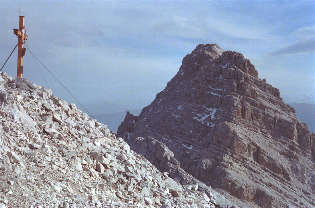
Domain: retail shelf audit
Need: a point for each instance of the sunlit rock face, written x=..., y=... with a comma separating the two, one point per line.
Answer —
x=217, y=121
x=54, y=155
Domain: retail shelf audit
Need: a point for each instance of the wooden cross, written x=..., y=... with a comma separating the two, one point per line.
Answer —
x=22, y=37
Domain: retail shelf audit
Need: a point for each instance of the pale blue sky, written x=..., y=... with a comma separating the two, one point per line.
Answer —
x=124, y=52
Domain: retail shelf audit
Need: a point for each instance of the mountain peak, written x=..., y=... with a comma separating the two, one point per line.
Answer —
x=231, y=58
x=212, y=50
x=217, y=121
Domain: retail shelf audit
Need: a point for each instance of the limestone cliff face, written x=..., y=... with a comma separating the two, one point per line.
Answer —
x=219, y=122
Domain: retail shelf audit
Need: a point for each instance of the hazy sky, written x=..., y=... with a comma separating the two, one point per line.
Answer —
x=124, y=52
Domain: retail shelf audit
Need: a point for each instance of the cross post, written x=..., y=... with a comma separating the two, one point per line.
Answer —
x=22, y=37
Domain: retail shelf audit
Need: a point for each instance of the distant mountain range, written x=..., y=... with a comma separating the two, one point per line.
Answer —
x=306, y=113
x=105, y=107
x=113, y=120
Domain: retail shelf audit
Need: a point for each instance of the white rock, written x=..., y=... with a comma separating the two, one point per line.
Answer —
x=11, y=183
x=90, y=123
x=34, y=146
x=14, y=158
x=76, y=164
x=100, y=168
x=207, y=199
x=97, y=143
x=148, y=201
x=50, y=130
x=126, y=147
x=194, y=187
x=57, y=118
x=57, y=188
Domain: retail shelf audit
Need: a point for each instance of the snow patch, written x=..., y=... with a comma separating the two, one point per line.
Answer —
x=176, y=115
x=180, y=107
x=164, y=139
x=187, y=146
x=225, y=66
x=218, y=89
x=215, y=94
x=212, y=111
x=209, y=113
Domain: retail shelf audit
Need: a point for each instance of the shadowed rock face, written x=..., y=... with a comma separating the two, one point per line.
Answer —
x=219, y=122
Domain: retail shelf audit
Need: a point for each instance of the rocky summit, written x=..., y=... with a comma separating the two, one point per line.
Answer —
x=54, y=155
x=217, y=122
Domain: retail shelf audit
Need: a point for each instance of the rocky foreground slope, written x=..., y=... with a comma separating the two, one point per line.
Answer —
x=53, y=155
x=217, y=121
